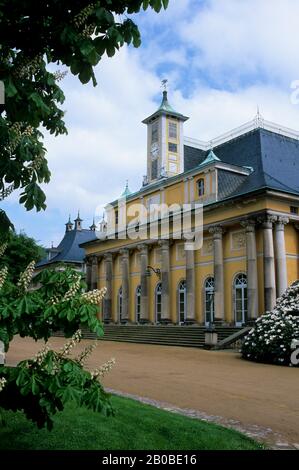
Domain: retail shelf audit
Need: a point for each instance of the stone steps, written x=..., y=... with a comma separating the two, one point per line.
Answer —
x=172, y=335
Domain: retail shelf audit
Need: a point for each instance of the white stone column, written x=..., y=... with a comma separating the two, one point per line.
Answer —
x=218, y=273
x=165, y=279
x=280, y=256
x=144, y=283
x=109, y=286
x=125, y=283
x=94, y=272
x=269, y=264
x=251, y=262
x=190, y=282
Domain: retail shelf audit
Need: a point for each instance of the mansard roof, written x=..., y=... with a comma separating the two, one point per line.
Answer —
x=68, y=250
x=273, y=157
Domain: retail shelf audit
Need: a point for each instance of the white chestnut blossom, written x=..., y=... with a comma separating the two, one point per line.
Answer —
x=26, y=276
x=3, y=275
x=103, y=370
x=2, y=383
x=69, y=345
x=94, y=296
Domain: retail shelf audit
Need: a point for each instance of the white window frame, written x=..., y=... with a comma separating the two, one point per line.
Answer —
x=182, y=289
x=209, y=289
x=244, y=298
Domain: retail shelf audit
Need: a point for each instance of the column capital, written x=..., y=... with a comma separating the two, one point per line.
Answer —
x=164, y=244
x=217, y=231
x=281, y=222
x=267, y=220
x=248, y=224
x=108, y=256
x=124, y=252
x=94, y=259
x=143, y=248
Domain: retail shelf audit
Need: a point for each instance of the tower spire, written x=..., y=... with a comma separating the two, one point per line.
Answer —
x=165, y=142
x=93, y=225
x=69, y=225
x=78, y=222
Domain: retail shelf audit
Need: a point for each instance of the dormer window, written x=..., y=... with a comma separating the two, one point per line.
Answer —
x=200, y=187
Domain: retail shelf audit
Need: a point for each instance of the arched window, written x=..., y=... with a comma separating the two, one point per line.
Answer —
x=120, y=303
x=200, y=187
x=209, y=300
x=138, y=303
x=240, y=294
x=182, y=301
x=158, y=302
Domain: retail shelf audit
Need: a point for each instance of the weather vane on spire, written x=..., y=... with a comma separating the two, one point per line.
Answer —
x=164, y=84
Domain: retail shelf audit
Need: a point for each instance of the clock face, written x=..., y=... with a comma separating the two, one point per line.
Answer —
x=154, y=150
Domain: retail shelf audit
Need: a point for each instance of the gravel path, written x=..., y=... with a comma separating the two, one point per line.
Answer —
x=257, y=399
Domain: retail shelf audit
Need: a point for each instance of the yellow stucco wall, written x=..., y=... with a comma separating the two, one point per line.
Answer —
x=234, y=257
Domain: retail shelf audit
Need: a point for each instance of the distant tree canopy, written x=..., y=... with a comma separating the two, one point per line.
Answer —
x=33, y=34
x=20, y=251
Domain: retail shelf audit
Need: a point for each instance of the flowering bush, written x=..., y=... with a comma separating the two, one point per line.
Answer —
x=36, y=307
x=43, y=385
x=271, y=339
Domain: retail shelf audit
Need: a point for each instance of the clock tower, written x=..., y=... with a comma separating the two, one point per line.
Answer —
x=165, y=141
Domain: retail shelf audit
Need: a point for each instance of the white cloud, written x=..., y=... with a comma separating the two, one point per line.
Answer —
x=106, y=140
x=213, y=111
x=250, y=45
x=248, y=36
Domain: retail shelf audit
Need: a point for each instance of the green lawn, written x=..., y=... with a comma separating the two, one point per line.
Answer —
x=135, y=426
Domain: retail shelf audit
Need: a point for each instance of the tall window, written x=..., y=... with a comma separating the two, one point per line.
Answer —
x=240, y=288
x=158, y=298
x=209, y=299
x=138, y=303
x=182, y=301
x=116, y=217
x=200, y=187
x=120, y=303
x=172, y=130
x=155, y=130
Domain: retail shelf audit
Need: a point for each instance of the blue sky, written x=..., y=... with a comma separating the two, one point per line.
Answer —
x=222, y=58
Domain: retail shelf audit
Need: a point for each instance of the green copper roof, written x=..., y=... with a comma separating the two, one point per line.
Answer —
x=126, y=192
x=165, y=108
x=211, y=158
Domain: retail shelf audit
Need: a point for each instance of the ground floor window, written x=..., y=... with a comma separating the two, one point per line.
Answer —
x=120, y=303
x=158, y=302
x=240, y=294
x=182, y=301
x=138, y=303
x=209, y=300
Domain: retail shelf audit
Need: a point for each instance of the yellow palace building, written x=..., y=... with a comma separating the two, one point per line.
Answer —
x=248, y=184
